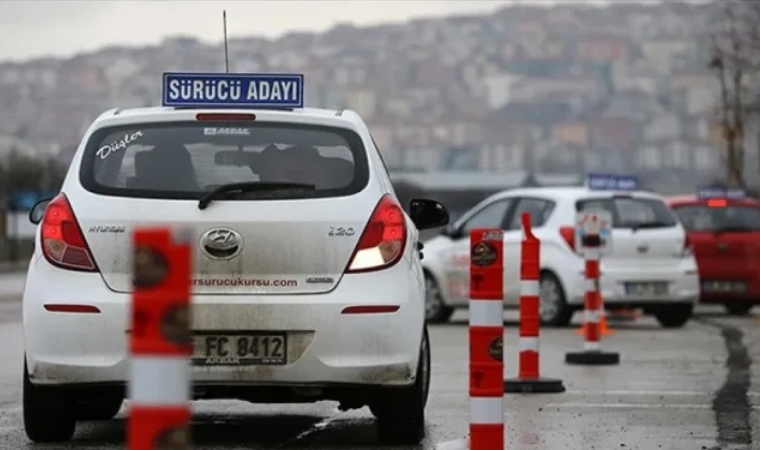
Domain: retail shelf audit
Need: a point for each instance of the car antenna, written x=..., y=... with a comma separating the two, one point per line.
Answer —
x=226, y=49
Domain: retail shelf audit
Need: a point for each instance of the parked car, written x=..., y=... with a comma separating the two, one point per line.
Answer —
x=723, y=226
x=650, y=265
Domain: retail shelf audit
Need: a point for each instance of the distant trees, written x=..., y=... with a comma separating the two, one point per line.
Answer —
x=735, y=60
x=22, y=173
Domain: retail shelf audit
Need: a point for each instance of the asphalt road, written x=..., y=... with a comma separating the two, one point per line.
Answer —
x=693, y=388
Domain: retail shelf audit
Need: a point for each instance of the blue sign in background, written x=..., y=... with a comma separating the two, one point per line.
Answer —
x=24, y=201
x=229, y=90
x=598, y=181
x=721, y=192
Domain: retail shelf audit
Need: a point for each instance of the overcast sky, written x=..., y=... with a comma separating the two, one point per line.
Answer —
x=33, y=28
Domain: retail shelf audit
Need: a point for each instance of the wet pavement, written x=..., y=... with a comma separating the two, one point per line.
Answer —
x=687, y=389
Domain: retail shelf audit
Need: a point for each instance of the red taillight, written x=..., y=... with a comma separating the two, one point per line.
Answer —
x=717, y=203
x=383, y=240
x=568, y=234
x=63, y=243
x=224, y=116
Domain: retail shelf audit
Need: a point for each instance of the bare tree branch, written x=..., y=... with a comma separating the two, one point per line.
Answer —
x=735, y=60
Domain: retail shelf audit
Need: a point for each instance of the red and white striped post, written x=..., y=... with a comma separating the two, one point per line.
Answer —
x=592, y=353
x=529, y=379
x=160, y=342
x=486, y=334
x=486, y=339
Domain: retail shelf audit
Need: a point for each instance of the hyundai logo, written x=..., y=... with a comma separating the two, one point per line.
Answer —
x=222, y=243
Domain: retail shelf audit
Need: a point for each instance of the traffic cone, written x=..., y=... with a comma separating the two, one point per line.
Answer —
x=603, y=328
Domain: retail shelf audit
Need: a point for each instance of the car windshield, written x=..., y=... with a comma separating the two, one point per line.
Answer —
x=185, y=160
x=632, y=212
x=724, y=218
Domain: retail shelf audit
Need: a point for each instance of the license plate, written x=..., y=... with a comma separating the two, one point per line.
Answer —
x=649, y=289
x=241, y=349
x=724, y=286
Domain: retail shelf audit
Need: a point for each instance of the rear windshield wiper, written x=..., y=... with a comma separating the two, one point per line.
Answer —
x=639, y=226
x=249, y=186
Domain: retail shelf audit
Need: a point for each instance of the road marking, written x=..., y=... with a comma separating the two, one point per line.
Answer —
x=628, y=405
x=632, y=406
x=459, y=444
x=653, y=393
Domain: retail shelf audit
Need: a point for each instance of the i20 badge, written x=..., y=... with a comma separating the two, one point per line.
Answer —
x=222, y=243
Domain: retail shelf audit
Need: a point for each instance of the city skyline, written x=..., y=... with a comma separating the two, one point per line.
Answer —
x=34, y=29
x=31, y=29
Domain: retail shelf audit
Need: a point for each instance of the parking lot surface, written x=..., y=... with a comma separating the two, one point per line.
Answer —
x=691, y=388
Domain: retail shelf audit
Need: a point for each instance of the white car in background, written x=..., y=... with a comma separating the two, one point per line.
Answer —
x=651, y=265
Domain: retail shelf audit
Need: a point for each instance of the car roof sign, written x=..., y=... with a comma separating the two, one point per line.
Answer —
x=606, y=182
x=238, y=90
x=721, y=192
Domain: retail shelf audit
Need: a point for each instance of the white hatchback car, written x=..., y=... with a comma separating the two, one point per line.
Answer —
x=651, y=265
x=300, y=238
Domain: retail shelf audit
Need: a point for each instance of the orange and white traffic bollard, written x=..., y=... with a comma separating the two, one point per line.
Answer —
x=160, y=342
x=486, y=339
x=592, y=353
x=486, y=334
x=529, y=378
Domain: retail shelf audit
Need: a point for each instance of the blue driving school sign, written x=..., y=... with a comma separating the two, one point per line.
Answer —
x=210, y=90
x=604, y=182
x=721, y=192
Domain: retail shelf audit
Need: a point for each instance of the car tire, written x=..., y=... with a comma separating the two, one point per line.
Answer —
x=104, y=408
x=675, y=316
x=435, y=310
x=47, y=417
x=400, y=413
x=741, y=309
x=553, y=308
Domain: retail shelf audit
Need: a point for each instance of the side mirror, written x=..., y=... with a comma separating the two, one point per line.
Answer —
x=38, y=211
x=427, y=214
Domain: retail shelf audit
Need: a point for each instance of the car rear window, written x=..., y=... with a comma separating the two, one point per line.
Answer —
x=184, y=160
x=632, y=212
x=725, y=218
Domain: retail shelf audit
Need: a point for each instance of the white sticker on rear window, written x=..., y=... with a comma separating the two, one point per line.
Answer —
x=106, y=150
x=226, y=132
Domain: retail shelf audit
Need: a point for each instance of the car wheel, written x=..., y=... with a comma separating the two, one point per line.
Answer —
x=553, y=307
x=46, y=414
x=675, y=316
x=741, y=309
x=400, y=413
x=104, y=408
x=435, y=310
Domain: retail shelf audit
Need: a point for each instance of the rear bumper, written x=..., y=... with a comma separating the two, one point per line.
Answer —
x=711, y=298
x=744, y=274
x=325, y=347
x=682, y=279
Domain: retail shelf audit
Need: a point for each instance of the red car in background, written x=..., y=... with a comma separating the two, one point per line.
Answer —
x=723, y=228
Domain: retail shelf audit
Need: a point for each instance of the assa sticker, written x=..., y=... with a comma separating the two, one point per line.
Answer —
x=226, y=132
x=483, y=254
x=496, y=348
